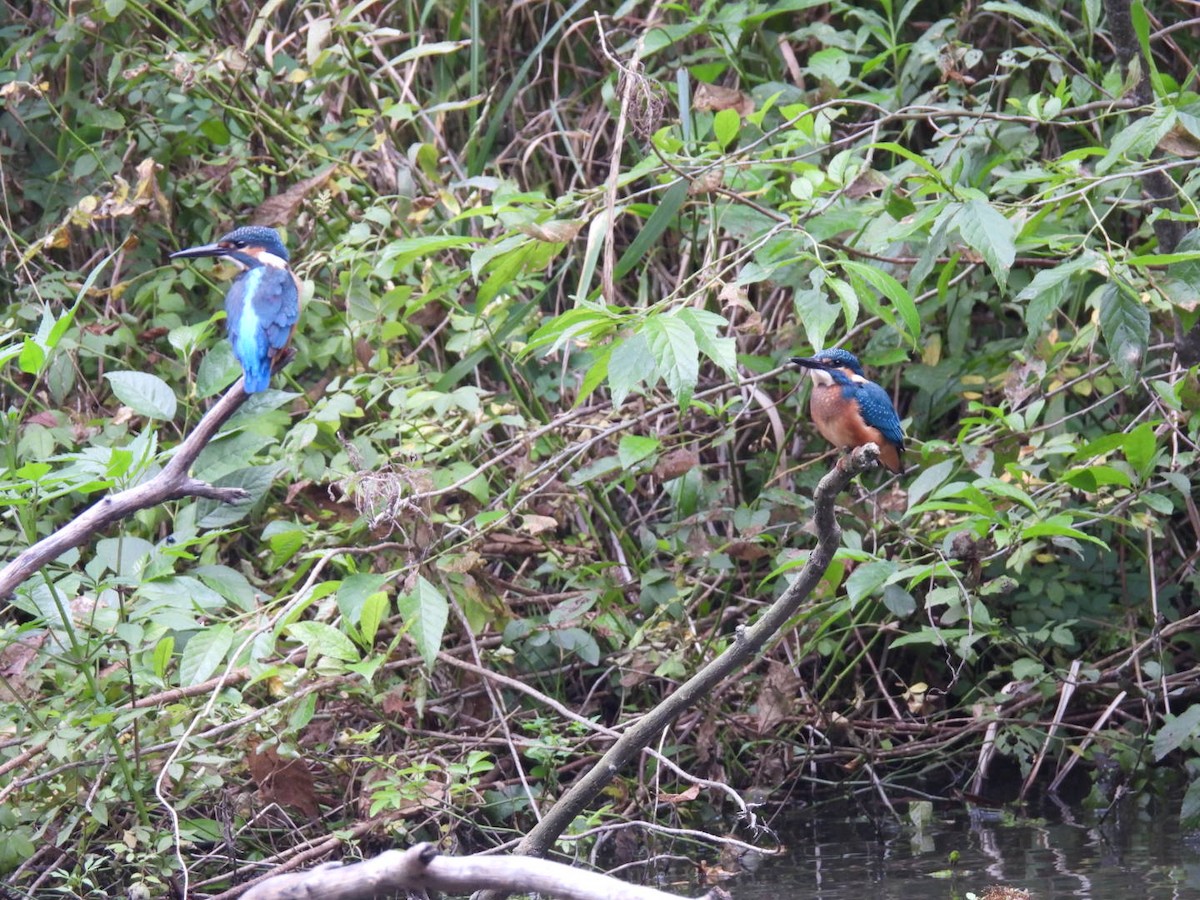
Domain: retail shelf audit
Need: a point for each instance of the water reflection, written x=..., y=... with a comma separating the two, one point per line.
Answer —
x=1131, y=854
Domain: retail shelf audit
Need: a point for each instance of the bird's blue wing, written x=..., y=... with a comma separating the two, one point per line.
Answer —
x=878, y=412
x=278, y=306
x=261, y=308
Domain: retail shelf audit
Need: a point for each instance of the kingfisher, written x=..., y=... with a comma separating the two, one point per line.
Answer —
x=849, y=409
x=263, y=303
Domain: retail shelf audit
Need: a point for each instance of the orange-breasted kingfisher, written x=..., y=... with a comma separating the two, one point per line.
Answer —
x=263, y=302
x=849, y=409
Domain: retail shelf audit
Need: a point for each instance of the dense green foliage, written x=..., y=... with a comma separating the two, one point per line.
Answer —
x=537, y=420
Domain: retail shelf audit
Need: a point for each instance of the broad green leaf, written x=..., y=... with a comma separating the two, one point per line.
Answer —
x=633, y=448
x=163, y=651
x=990, y=234
x=896, y=292
x=1125, y=324
x=630, y=363
x=205, y=651
x=425, y=613
x=321, y=639
x=928, y=479
x=254, y=480
x=868, y=578
x=706, y=326
x=1177, y=731
x=146, y=394
x=675, y=353
x=1060, y=526
x=726, y=124
x=353, y=593
x=816, y=314
x=1141, y=448
x=1044, y=294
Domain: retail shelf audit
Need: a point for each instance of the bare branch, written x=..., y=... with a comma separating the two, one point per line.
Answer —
x=172, y=483
x=421, y=868
x=749, y=642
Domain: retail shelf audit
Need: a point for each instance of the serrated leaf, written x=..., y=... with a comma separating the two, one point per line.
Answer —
x=675, y=353
x=205, y=651
x=425, y=613
x=1125, y=324
x=990, y=234
x=146, y=394
x=706, y=328
x=630, y=363
x=321, y=639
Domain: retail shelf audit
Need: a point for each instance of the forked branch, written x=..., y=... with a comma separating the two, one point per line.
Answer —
x=172, y=483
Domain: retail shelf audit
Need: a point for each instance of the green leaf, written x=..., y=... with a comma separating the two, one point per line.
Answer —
x=1141, y=449
x=675, y=353
x=1125, y=324
x=892, y=289
x=354, y=592
x=163, y=651
x=1044, y=294
x=989, y=234
x=629, y=365
x=815, y=313
x=146, y=394
x=1060, y=526
x=868, y=578
x=425, y=613
x=706, y=327
x=204, y=652
x=321, y=639
x=254, y=480
x=726, y=124
x=928, y=479
x=1177, y=731
x=633, y=448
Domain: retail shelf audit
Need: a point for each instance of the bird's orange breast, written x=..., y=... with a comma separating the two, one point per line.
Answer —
x=840, y=422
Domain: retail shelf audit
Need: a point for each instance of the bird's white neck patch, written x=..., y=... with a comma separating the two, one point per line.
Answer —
x=820, y=376
x=270, y=259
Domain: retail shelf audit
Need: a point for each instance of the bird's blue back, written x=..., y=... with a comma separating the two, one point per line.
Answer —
x=875, y=405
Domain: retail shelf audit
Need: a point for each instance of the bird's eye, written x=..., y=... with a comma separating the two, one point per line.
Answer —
x=239, y=245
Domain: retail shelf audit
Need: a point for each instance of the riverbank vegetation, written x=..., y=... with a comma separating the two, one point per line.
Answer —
x=538, y=456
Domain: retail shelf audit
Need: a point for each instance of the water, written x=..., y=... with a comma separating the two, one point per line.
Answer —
x=1128, y=856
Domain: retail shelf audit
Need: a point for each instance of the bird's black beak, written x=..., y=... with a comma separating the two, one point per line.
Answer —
x=807, y=362
x=202, y=250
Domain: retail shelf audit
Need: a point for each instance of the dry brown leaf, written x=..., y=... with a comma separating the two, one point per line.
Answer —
x=1180, y=142
x=288, y=782
x=686, y=797
x=281, y=209
x=557, y=231
x=707, y=182
x=713, y=97
x=537, y=524
x=676, y=463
